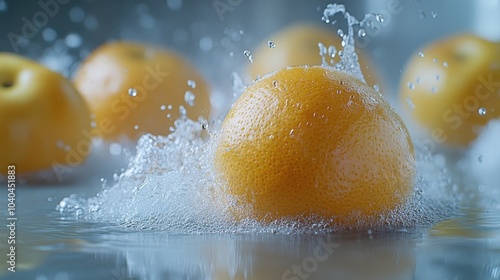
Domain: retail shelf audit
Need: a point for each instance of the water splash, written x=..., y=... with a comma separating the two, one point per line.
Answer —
x=132, y=92
x=189, y=98
x=170, y=184
x=348, y=59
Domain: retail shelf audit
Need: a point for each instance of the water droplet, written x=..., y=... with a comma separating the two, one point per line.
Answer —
x=73, y=40
x=192, y=83
x=376, y=87
x=206, y=44
x=482, y=111
x=49, y=34
x=480, y=158
x=380, y=18
x=182, y=110
x=76, y=14
x=189, y=98
x=169, y=116
x=275, y=83
x=434, y=14
x=445, y=64
x=410, y=85
x=435, y=60
x=332, y=51
x=204, y=124
x=340, y=32
x=115, y=149
x=248, y=54
x=136, y=127
x=271, y=44
x=322, y=49
x=421, y=54
x=437, y=77
x=325, y=19
x=292, y=133
x=361, y=32
x=434, y=90
x=410, y=103
x=93, y=124
x=163, y=107
x=132, y=92
x=169, y=107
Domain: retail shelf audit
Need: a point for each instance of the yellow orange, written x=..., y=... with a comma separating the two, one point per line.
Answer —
x=134, y=88
x=42, y=117
x=451, y=87
x=298, y=45
x=314, y=141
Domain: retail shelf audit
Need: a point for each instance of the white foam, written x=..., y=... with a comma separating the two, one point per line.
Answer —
x=482, y=164
x=170, y=185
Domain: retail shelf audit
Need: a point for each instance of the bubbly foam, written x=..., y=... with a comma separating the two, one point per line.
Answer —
x=481, y=166
x=346, y=60
x=171, y=185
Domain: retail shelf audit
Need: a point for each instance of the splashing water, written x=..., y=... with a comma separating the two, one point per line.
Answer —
x=348, y=58
x=171, y=185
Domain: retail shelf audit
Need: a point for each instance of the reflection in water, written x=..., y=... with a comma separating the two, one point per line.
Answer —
x=473, y=223
x=465, y=247
x=265, y=256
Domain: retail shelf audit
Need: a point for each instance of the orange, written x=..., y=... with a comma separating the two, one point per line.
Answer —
x=451, y=87
x=134, y=88
x=43, y=119
x=314, y=141
x=298, y=45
